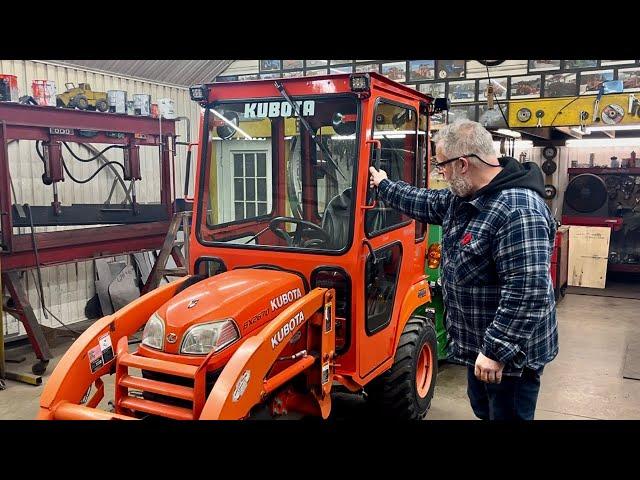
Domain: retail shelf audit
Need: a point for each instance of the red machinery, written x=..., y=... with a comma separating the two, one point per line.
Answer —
x=560, y=262
x=134, y=226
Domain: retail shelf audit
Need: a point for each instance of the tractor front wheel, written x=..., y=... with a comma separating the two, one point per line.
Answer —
x=102, y=105
x=406, y=389
x=81, y=102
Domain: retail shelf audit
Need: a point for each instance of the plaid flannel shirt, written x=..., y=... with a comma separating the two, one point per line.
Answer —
x=496, y=283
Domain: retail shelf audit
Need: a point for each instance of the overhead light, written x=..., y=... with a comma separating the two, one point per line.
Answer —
x=199, y=93
x=509, y=133
x=359, y=82
x=519, y=144
x=604, y=142
x=343, y=137
x=605, y=128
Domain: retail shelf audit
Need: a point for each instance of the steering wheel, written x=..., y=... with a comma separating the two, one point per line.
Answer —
x=301, y=227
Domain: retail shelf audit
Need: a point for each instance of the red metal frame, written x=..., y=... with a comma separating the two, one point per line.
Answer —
x=615, y=223
x=26, y=122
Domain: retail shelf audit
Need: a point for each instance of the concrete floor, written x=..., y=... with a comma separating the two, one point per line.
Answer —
x=583, y=382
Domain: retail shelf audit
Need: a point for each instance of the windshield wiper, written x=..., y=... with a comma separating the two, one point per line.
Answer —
x=294, y=107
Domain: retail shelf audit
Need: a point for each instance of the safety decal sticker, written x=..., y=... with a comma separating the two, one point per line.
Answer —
x=106, y=347
x=95, y=358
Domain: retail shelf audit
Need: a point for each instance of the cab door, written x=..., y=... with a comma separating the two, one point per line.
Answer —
x=390, y=234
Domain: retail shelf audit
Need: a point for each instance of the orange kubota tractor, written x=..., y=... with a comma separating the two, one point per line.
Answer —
x=302, y=281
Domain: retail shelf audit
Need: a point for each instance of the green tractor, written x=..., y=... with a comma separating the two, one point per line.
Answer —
x=82, y=97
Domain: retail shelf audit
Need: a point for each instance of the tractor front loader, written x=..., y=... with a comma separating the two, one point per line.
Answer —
x=301, y=280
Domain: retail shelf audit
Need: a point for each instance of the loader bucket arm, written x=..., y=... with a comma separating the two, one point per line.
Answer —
x=74, y=374
x=244, y=382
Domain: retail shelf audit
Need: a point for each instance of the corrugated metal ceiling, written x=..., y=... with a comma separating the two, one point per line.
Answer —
x=173, y=72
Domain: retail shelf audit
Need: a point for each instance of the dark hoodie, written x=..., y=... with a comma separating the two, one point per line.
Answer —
x=515, y=174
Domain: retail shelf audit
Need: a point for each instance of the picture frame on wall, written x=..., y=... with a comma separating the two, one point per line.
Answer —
x=491, y=117
x=604, y=63
x=315, y=72
x=590, y=81
x=500, y=95
x=396, y=71
x=292, y=64
x=315, y=63
x=368, y=67
x=421, y=70
x=543, y=65
x=526, y=86
x=435, y=89
x=451, y=69
x=573, y=64
x=341, y=69
x=462, y=112
x=293, y=74
x=340, y=62
x=560, y=85
x=251, y=76
x=462, y=91
x=264, y=76
x=269, y=65
x=630, y=79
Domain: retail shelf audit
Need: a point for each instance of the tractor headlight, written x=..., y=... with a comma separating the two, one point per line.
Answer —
x=201, y=339
x=153, y=335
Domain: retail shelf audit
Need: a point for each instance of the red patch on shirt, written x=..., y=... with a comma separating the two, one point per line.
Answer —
x=466, y=239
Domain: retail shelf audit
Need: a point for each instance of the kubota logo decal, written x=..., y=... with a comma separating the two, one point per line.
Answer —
x=286, y=329
x=278, y=109
x=288, y=297
x=241, y=385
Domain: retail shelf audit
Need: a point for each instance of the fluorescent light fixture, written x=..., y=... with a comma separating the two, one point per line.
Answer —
x=226, y=120
x=519, y=144
x=604, y=128
x=390, y=135
x=509, y=133
x=604, y=142
x=343, y=137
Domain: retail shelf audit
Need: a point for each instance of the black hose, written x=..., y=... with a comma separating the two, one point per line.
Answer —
x=64, y=165
x=91, y=159
x=35, y=251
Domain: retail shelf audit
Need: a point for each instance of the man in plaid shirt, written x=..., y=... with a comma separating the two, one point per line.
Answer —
x=498, y=236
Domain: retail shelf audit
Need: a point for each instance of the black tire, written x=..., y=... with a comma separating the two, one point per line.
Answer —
x=40, y=367
x=102, y=105
x=395, y=393
x=81, y=102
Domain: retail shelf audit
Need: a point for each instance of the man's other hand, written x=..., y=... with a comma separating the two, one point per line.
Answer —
x=487, y=370
x=376, y=176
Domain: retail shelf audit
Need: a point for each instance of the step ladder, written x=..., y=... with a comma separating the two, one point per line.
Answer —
x=171, y=247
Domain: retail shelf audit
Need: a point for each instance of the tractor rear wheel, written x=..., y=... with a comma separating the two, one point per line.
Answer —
x=102, y=105
x=406, y=389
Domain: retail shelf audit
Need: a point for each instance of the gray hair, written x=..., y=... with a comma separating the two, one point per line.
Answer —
x=464, y=137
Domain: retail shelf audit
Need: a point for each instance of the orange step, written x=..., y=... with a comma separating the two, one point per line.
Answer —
x=156, y=365
x=155, y=408
x=154, y=386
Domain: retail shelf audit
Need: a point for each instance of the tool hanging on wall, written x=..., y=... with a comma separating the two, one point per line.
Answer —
x=539, y=115
x=612, y=114
x=596, y=105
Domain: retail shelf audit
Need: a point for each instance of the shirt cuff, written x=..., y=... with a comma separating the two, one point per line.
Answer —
x=504, y=352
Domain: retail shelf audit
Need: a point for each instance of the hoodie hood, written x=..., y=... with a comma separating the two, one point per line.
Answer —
x=515, y=174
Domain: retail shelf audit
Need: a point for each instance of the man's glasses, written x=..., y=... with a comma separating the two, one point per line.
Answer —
x=440, y=165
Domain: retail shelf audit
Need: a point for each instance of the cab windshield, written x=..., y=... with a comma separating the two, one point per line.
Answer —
x=268, y=182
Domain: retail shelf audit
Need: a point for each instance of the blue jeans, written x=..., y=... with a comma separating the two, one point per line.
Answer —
x=514, y=398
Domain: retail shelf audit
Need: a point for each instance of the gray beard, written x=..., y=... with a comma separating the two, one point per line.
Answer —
x=461, y=187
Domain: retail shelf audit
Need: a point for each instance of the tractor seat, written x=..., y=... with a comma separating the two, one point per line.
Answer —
x=336, y=220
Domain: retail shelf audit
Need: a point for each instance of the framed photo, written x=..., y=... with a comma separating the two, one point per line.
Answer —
x=267, y=65
x=543, y=65
x=227, y=78
x=527, y=86
x=422, y=69
x=467, y=112
x=630, y=79
x=270, y=75
x=560, y=85
x=590, y=81
x=293, y=73
x=292, y=64
x=315, y=63
x=253, y=76
x=491, y=117
x=436, y=90
x=615, y=62
x=498, y=93
x=315, y=72
x=345, y=69
x=396, y=71
x=571, y=64
x=339, y=62
x=462, y=91
x=368, y=67
x=451, y=69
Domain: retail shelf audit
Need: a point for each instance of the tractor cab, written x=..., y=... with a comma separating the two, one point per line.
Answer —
x=283, y=183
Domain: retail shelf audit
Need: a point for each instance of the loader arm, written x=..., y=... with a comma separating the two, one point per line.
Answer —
x=245, y=381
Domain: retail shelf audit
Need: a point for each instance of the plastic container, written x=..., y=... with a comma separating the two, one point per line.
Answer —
x=167, y=108
x=8, y=88
x=44, y=92
x=117, y=100
x=142, y=104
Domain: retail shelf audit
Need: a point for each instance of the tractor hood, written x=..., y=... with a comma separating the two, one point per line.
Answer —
x=249, y=296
